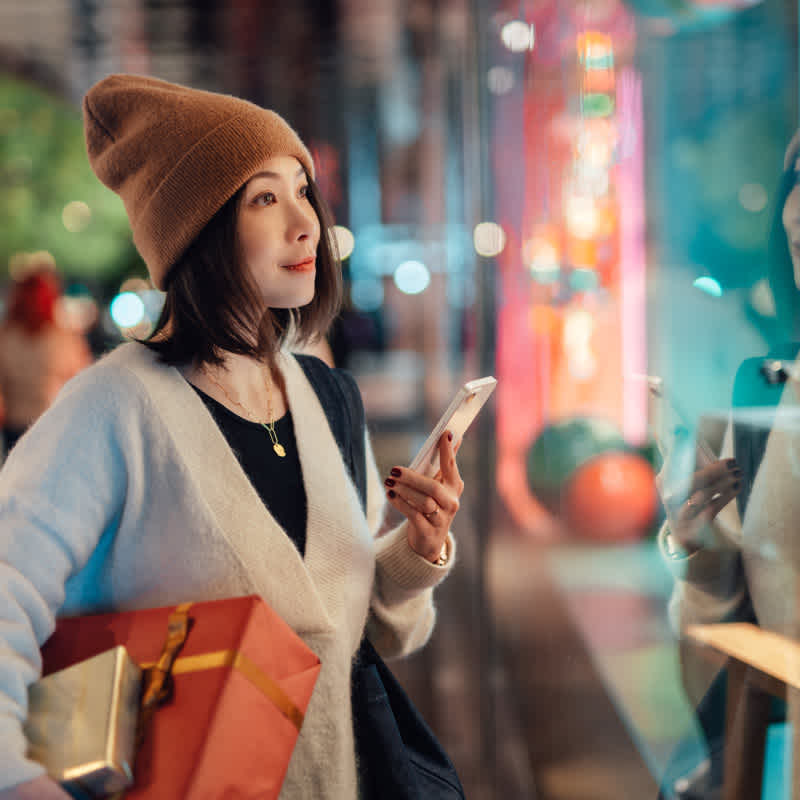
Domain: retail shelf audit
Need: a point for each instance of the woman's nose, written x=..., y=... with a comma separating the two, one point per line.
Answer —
x=304, y=223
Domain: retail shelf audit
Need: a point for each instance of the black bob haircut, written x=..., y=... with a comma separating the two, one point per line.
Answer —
x=212, y=304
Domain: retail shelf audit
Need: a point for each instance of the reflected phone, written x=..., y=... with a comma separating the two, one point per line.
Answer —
x=657, y=390
x=469, y=400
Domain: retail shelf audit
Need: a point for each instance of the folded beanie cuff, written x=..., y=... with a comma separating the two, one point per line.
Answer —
x=203, y=180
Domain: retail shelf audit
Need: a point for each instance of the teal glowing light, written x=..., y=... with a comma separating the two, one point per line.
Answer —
x=602, y=61
x=412, y=277
x=127, y=310
x=583, y=280
x=709, y=286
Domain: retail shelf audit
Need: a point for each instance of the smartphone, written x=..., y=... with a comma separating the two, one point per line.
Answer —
x=668, y=406
x=469, y=400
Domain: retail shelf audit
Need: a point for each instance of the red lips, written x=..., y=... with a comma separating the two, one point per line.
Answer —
x=303, y=266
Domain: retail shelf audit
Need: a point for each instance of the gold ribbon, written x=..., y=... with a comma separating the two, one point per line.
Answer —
x=252, y=672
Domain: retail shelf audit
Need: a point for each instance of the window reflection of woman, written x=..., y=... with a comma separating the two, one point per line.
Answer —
x=739, y=561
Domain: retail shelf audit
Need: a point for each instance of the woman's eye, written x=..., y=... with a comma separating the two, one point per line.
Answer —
x=305, y=191
x=264, y=199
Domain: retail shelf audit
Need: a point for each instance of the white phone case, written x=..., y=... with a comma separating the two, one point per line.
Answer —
x=469, y=400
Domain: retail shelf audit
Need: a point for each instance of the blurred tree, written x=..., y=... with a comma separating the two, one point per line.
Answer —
x=49, y=197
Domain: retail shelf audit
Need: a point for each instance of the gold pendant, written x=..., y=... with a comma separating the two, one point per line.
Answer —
x=278, y=448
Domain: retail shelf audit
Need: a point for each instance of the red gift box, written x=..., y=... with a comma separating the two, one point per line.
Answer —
x=242, y=683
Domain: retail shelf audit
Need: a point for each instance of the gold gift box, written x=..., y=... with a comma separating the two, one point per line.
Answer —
x=82, y=724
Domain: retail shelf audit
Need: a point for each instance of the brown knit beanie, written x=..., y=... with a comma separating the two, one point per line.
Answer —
x=175, y=155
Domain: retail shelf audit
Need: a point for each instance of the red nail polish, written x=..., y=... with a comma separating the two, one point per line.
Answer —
x=389, y=482
x=449, y=436
x=395, y=471
x=391, y=493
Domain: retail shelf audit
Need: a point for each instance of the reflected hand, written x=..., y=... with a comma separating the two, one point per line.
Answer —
x=429, y=504
x=710, y=489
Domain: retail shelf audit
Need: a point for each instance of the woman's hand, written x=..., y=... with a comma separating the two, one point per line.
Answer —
x=710, y=489
x=42, y=788
x=429, y=504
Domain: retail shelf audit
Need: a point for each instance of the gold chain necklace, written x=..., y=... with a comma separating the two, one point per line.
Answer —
x=269, y=425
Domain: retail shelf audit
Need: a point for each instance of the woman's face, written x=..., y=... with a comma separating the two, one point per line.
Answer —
x=278, y=231
x=791, y=221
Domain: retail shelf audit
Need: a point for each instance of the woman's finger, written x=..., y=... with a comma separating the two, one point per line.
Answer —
x=676, y=502
x=424, y=502
x=447, y=460
x=700, y=509
x=427, y=533
x=408, y=482
x=717, y=471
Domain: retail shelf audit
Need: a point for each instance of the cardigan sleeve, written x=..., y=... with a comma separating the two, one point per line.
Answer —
x=60, y=488
x=709, y=583
x=402, y=612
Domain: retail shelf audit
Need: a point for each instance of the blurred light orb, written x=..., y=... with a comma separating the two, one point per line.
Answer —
x=367, y=294
x=489, y=239
x=500, y=80
x=127, y=310
x=518, y=36
x=578, y=328
x=753, y=197
x=541, y=254
x=561, y=448
x=708, y=285
x=596, y=50
x=582, y=364
x=611, y=497
x=76, y=216
x=344, y=240
x=581, y=216
x=77, y=312
x=412, y=277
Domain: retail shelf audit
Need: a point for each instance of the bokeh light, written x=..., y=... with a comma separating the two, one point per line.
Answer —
x=500, y=80
x=127, y=310
x=581, y=216
x=541, y=255
x=489, y=239
x=344, y=240
x=753, y=197
x=412, y=277
x=76, y=216
x=518, y=36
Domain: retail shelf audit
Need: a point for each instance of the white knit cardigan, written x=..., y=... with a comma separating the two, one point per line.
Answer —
x=125, y=494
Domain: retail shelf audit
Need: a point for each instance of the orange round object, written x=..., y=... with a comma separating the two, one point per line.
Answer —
x=611, y=498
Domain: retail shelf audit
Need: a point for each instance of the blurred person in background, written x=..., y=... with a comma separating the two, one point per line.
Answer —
x=730, y=537
x=200, y=463
x=39, y=353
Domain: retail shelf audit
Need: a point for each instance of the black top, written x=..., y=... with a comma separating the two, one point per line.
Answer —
x=278, y=481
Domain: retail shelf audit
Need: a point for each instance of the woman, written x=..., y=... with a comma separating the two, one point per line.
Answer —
x=200, y=464
x=740, y=561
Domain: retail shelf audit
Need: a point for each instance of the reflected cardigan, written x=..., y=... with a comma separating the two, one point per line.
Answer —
x=126, y=495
